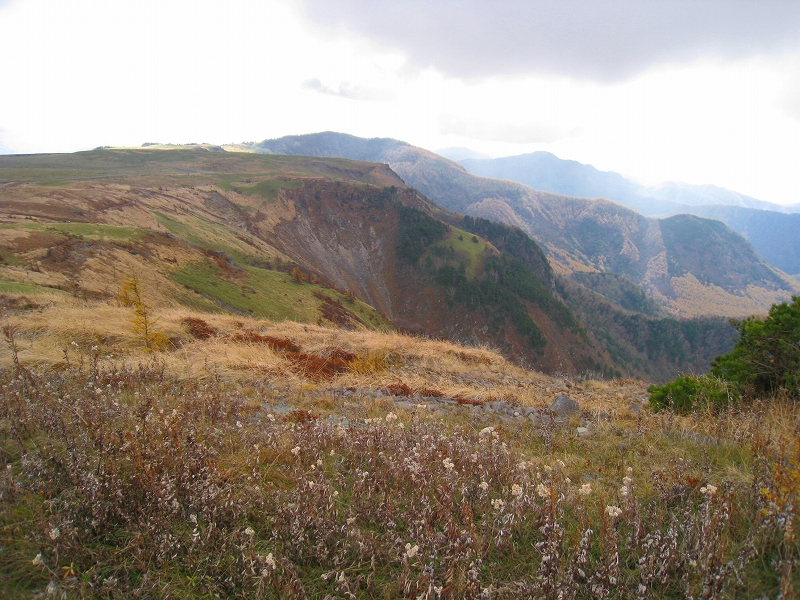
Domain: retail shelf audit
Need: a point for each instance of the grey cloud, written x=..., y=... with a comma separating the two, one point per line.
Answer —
x=513, y=133
x=605, y=40
x=346, y=90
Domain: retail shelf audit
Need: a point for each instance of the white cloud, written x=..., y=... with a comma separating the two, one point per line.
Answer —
x=347, y=90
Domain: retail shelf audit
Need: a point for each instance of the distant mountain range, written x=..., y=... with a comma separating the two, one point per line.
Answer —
x=773, y=229
x=691, y=266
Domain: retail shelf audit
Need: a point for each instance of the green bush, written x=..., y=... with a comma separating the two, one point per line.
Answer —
x=765, y=359
x=690, y=392
x=767, y=354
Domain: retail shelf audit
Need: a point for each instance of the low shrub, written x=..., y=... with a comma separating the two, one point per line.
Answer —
x=767, y=353
x=691, y=392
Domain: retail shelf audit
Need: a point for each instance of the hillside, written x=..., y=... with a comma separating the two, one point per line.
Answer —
x=578, y=234
x=315, y=240
x=774, y=235
x=772, y=229
x=323, y=241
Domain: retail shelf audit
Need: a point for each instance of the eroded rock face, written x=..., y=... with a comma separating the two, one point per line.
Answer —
x=564, y=406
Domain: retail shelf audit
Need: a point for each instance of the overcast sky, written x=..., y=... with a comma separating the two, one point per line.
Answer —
x=702, y=91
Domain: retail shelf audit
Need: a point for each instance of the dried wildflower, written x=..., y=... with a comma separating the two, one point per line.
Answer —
x=250, y=532
x=54, y=533
x=586, y=489
x=708, y=490
x=296, y=450
x=484, y=486
x=516, y=490
x=391, y=417
x=613, y=511
x=448, y=464
x=497, y=503
x=37, y=560
x=411, y=551
x=543, y=491
x=270, y=560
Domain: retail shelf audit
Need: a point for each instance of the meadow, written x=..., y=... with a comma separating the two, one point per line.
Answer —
x=260, y=459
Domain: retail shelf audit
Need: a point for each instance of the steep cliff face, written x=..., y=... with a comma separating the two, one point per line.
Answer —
x=386, y=246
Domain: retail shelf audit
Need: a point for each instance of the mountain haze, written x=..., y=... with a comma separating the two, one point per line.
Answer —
x=772, y=229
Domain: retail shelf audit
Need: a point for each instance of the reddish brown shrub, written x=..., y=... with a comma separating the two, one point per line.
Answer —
x=299, y=415
x=277, y=344
x=399, y=389
x=199, y=328
x=468, y=401
x=316, y=367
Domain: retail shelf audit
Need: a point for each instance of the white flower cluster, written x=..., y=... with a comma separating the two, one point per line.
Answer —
x=448, y=464
x=585, y=489
x=708, y=490
x=613, y=511
x=516, y=490
x=488, y=433
x=497, y=503
x=411, y=551
x=627, y=481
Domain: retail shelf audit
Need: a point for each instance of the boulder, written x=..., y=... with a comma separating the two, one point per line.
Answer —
x=565, y=406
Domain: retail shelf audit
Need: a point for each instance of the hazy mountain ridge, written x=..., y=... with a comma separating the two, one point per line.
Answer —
x=545, y=171
x=773, y=229
x=579, y=234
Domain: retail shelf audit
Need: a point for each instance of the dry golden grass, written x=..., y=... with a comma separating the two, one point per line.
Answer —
x=66, y=330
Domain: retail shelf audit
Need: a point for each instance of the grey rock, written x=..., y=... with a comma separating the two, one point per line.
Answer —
x=564, y=405
x=582, y=432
